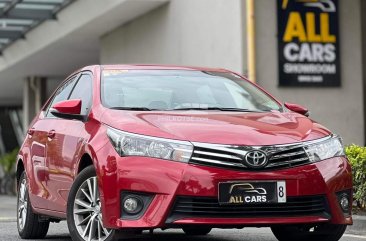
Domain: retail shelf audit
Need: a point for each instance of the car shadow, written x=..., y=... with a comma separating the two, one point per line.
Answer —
x=166, y=236
x=65, y=237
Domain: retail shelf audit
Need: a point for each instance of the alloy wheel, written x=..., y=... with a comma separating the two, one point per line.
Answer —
x=22, y=204
x=87, y=212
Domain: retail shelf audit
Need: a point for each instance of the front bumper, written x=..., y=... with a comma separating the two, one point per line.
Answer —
x=167, y=181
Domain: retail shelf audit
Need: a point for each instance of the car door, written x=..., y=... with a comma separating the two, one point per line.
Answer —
x=37, y=141
x=37, y=150
x=64, y=146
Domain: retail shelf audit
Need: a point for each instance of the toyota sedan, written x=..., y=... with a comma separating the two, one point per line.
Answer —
x=120, y=149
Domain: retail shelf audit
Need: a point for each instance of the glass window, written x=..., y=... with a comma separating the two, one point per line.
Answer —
x=174, y=89
x=237, y=93
x=62, y=94
x=83, y=90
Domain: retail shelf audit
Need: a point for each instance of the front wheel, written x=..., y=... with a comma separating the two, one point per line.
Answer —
x=84, y=215
x=196, y=230
x=28, y=223
x=321, y=232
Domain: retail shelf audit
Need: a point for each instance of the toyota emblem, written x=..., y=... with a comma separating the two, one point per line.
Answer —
x=255, y=159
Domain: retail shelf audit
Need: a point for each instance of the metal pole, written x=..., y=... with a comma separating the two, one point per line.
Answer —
x=251, y=40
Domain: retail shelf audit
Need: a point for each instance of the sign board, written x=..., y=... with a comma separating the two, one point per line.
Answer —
x=308, y=43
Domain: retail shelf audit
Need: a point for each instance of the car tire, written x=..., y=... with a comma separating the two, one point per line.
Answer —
x=28, y=223
x=84, y=216
x=323, y=232
x=196, y=230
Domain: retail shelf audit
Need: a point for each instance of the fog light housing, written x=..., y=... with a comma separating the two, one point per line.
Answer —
x=345, y=200
x=134, y=204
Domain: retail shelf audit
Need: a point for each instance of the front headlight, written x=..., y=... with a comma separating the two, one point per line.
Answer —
x=328, y=148
x=129, y=144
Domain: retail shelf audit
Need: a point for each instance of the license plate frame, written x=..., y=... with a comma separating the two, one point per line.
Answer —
x=251, y=192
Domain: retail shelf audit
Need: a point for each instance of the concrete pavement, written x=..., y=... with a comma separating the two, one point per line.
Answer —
x=8, y=208
x=359, y=225
x=59, y=232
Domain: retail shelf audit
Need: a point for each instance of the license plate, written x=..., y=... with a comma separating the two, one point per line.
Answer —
x=253, y=192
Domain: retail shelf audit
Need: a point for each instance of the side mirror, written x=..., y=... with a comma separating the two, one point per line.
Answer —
x=297, y=108
x=68, y=109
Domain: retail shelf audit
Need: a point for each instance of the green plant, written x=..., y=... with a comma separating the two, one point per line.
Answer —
x=8, y=161
x=357, y=157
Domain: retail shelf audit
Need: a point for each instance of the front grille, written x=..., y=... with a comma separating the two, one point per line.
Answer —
x=232, y=157
x=208, y=207
x=289, y=158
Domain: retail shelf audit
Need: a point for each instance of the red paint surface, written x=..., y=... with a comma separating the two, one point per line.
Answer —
x=68, y=107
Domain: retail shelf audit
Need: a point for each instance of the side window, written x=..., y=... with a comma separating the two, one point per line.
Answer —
x=84, y=91
x=62, y=94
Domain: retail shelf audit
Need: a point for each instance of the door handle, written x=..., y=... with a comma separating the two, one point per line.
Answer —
x=51, y=134
x=31, y=131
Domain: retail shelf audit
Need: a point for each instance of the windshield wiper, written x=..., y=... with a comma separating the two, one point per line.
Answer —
x=185, y=108
x=131, y=108
x=218, y=108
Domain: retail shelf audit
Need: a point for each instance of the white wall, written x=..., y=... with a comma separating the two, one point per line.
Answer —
x=184, y=32
x=340, y=109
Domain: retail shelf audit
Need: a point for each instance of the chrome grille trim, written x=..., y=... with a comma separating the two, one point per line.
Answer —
x=229, y=156
x=240, y=150
x=218, y=155
x=288, y=162
x=217, y=162
x=274, y=157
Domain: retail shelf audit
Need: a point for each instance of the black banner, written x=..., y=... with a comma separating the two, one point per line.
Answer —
x=308, y=43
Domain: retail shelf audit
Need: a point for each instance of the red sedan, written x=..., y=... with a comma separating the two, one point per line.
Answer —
x=126, y=148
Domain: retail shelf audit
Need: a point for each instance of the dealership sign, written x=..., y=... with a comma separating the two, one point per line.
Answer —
x=308, y=43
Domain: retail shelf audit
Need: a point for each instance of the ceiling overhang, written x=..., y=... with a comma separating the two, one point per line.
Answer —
x=57, y=46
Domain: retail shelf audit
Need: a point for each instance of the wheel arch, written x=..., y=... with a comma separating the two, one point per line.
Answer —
x=85, y=161
x=20, y=168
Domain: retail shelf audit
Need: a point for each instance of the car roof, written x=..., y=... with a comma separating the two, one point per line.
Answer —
x=146, y=67
x=154, y=67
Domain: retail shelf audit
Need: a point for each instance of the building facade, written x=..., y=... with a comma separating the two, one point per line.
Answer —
x=212, y=33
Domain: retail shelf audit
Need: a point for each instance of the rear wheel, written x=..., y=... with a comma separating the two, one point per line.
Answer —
x=196, y=230
x=84, y=215
x=321, y=232
x=29, y=226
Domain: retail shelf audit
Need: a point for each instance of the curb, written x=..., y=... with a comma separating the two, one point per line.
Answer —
x=7, y=219
x=358, y=227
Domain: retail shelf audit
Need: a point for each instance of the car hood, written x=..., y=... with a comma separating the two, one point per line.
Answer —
x=234, y=128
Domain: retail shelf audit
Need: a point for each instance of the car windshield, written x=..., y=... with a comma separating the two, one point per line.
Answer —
x=181, y=89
